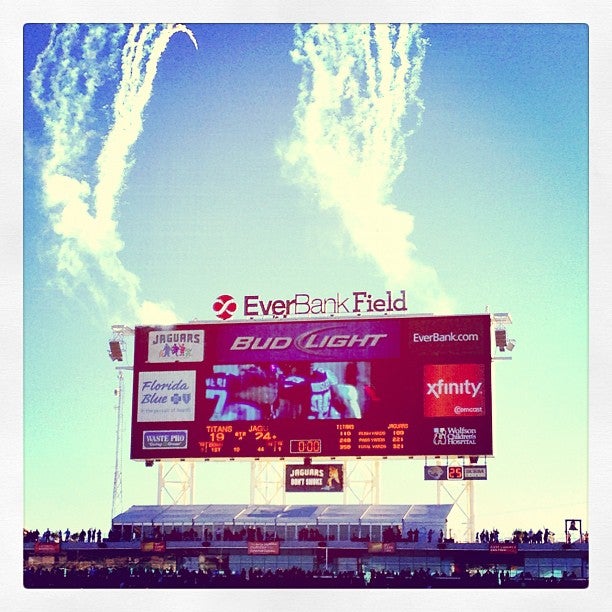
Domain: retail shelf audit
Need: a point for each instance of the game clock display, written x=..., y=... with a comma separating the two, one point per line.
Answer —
x=305, y=447
x=454, y=472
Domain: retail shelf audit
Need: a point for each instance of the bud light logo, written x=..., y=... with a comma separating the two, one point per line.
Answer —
x=224, y=307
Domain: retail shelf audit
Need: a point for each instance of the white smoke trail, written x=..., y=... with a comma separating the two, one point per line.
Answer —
x=358, y=84
x=84, y=109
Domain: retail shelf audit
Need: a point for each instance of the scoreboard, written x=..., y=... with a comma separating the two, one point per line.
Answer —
x=360, y=387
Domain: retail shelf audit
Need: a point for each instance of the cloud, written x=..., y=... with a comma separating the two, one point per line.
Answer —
x=91, y=85
x=357, y=105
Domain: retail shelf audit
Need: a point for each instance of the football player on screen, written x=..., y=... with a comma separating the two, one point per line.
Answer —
x=246, y=396
x=318, y=393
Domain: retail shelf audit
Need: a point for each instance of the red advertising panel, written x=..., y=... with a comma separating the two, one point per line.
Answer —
x=46, y=548
x=410, y=386
x=454, y=389
x=381, y=547
x=157, y=547
x=504, y=548
x=263, y=548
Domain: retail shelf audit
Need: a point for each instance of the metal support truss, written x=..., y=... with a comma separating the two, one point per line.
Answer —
x=175, y=482
x=361, y=481
x=117, y=504
x=462, y=495
x=267, y=482
x=117, y=353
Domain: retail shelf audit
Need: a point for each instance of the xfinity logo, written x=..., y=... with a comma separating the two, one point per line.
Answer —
x=441, y=387
x=454, y=390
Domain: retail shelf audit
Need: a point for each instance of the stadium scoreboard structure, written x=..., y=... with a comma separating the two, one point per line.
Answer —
x=361, y=387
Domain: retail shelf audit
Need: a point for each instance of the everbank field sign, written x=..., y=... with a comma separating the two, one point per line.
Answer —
x=304, y=304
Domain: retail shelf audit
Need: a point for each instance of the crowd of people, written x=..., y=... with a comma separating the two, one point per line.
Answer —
x=91, y=535
x=310, y=535
x=252, y=534
x=394, y=534
x=294, y=577
x=486, y=536
x=533, y=537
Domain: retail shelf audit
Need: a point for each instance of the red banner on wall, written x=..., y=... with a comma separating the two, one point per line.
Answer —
x=381, y=547
x=263, y=548
x=505, y=548
x=157, y=547
x=46, y=548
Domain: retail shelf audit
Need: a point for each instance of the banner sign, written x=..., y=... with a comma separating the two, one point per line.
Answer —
x=263, y=548
x=46, y=548
x=360, y=387
x=474, y=472
x=314, y=478
x=158, y=547
x=504, y=548
x=381, y=547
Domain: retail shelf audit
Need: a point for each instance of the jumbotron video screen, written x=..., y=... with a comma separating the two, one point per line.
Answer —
x=409, y=386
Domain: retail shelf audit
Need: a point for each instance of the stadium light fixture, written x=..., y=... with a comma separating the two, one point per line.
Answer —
x=116, y=343
x=502, y=342
x=500, y=339
x=114, y=350
x=502, y=318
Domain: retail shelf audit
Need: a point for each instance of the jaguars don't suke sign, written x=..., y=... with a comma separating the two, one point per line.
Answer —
x=314, y=478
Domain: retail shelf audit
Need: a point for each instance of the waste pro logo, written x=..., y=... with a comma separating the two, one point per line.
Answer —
x=224, y=307
x=454, y=390
x=164, y=439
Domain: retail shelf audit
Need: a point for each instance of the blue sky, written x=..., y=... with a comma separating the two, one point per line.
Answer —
x=493, y=190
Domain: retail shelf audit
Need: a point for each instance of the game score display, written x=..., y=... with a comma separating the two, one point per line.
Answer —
x=400, y=386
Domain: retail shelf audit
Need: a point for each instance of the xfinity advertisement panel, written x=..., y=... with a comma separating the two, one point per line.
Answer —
x=410, y=386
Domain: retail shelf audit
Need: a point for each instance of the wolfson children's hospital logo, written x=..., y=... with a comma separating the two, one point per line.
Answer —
x=464, y=436
x=301, y=304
